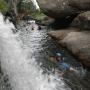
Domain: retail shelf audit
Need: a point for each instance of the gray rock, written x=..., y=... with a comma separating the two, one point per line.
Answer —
x=63, y=8
x=12, y=4
x=82, y=21
x=80, y=4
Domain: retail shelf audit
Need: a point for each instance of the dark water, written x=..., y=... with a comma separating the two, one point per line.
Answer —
x=25, y=61
x=42, y=47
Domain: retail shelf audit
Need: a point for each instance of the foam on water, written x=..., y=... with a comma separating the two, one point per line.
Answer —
x=23, y=74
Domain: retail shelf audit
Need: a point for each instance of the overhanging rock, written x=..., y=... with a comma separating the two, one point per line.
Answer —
x=63, y=8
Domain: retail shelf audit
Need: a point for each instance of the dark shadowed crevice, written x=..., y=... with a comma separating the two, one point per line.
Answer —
x=63, y=22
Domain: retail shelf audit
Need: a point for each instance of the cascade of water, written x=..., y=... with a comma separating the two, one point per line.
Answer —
x=36, y=4
x=23, y=74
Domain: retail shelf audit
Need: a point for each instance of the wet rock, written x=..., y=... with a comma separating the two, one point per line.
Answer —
x=78, y=43
x=12, y=4
x=63, y=8
x=82, y=21
x=47, y=21
x=11, y=16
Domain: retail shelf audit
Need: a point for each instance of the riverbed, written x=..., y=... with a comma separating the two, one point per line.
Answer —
x=25, y=58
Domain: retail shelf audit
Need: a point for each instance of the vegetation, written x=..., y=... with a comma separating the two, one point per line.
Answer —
x=38, y=15
x=28, y=8
x=24, y=8
x=3, y=6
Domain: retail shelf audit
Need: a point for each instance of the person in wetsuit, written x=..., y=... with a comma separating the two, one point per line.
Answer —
x=63, y=66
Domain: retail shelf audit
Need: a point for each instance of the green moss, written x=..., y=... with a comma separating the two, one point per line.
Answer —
x=3, y=6
x=29, y=8
x=38, y=15
x=26, y=7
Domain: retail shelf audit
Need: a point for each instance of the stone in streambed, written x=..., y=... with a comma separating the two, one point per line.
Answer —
x=78, y=43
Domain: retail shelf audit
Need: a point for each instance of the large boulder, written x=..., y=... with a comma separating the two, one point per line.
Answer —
x=80, y=4
x=63, y=8
x=77, y=42
x=82, y=21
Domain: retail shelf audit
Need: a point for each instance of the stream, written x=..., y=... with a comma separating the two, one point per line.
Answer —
x=25, y=60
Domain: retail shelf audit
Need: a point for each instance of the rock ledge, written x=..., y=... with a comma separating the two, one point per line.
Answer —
x=77, y=42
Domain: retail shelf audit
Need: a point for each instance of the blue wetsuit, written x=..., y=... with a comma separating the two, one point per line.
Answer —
x=63, y=66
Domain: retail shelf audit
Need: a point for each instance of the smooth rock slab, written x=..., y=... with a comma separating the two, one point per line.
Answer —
x=78, y=43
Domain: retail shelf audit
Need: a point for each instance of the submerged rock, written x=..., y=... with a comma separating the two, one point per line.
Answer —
x=78, y=43
x=63, y=8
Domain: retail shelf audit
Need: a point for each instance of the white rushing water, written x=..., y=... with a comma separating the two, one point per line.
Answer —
x=36, y=4
x=24, y=74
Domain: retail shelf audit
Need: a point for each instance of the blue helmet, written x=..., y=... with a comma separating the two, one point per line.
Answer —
x=58, y=54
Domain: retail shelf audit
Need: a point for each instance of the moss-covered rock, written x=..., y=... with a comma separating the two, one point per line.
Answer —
x=3, y=6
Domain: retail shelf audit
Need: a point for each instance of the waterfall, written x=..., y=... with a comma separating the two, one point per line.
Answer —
x=23, y=73
x=36, y=4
